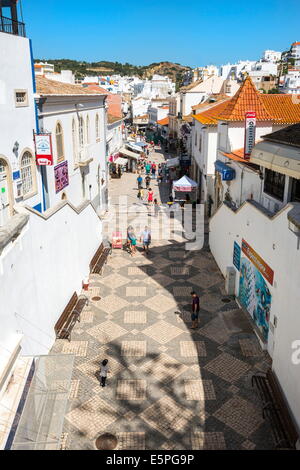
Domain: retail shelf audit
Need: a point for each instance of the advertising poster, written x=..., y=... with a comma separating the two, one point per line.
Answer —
x=61, y=176
x=254, y=293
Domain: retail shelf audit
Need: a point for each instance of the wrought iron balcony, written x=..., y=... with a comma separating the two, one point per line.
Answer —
x=7, y=25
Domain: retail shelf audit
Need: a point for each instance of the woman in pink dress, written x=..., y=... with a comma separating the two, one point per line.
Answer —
x=150, y=196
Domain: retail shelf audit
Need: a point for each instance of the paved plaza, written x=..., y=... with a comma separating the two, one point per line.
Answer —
x=169, y=387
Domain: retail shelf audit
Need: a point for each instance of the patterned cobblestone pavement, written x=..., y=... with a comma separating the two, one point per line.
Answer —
x=169, y=387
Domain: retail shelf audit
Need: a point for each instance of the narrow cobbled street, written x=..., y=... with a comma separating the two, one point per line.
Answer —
x=169, y=387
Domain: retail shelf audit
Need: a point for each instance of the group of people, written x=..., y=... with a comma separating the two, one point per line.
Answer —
x=132, y=239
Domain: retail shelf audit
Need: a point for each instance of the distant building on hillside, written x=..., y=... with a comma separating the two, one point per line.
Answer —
x=271, y=56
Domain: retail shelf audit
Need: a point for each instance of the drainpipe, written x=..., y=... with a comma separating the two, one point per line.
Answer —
x=242, y=177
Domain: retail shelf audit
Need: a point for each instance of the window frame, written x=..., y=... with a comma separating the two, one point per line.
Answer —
x=21, y=104
x=33, y=190
x=59, y=159
x=272, y=184
x=97, y=125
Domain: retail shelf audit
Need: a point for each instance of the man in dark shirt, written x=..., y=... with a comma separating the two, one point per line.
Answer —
x=195, y=310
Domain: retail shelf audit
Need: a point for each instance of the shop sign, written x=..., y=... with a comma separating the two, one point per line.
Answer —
x=258, y=262
x=43, y=149
x=61, y=175
x=250, y=129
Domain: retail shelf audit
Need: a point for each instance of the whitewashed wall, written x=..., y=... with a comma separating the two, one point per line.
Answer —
x=40, y=271
x=278, y=246
x=62, y=109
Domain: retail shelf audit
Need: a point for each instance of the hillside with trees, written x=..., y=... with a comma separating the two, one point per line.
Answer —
x=80, y=69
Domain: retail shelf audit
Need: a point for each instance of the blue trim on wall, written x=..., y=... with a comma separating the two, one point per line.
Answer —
x=38, y=207
x=32, y=66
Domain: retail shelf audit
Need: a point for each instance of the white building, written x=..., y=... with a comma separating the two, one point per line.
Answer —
x=157, y=113
x=75, y=117
x=295, y=51
x=271, y=56
x=202, y=73
x=237, y=71
x=290, y=82
x=158, y=87
x=140, y=106
x=20, y=181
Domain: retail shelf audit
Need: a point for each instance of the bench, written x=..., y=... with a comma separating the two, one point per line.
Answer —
x=70, y=315
x=99, y=259
x=275, y=410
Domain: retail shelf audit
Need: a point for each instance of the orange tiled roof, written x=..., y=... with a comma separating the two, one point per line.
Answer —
x=283, y=108
x=237, y=155
x=210, y=116
x=296, y=44
x=246, y=99
x=163, y=122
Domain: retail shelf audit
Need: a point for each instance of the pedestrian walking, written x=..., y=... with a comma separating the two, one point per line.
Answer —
x=147, y=180
x=148, y=168
x=145, y=238
x=103, y=372
x=150, y=196
x=195, y=310
x=140, y=194
x=153, y=170
x=132, y=240
x=139, y=181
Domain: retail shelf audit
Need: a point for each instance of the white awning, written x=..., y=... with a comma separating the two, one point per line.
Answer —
x=121, y=161
x=281, y=158
x=173, y=162
x=129, y=154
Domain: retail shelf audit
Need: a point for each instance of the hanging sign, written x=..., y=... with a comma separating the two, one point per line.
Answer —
x=250, y=128
x=43, y=149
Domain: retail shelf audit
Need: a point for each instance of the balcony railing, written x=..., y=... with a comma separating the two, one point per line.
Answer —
x=7, y=25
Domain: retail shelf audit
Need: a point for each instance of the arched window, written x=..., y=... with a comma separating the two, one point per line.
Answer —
x=81, y=132
x=74, y=140
x=87, y=130
x=59, y=142
x=97, y=127
x=27, y=170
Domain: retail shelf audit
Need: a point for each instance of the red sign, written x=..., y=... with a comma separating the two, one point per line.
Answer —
x=43, y=149
x=258, y=262
x=117, y=240
x=250, y=128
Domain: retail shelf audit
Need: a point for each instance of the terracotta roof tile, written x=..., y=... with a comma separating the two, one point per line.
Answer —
x=280, y=109
x=283, y=108
x=44, y=86
x=246, y=99
x=210, y=116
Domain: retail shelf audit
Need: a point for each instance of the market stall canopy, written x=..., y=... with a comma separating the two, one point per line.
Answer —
x=128, y=153
x=185, y=184
x=134, y=147
x=173, y=162
x=121, y=161
x=141, y=144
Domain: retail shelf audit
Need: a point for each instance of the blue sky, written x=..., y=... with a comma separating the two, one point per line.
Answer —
x=140, y=32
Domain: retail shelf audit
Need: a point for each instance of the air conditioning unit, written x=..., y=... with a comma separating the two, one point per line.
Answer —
x=230, y=280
